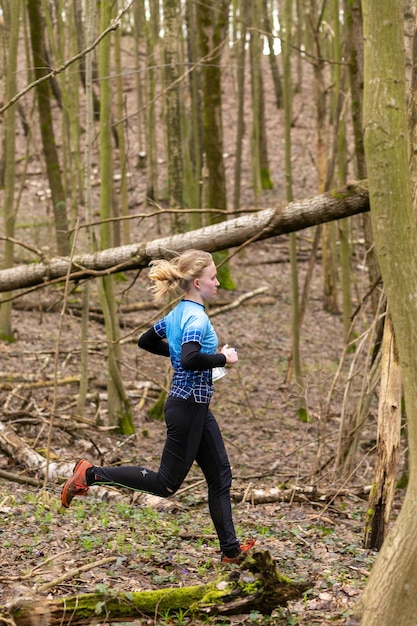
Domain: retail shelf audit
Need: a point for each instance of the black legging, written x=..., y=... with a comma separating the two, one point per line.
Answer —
x=192, y=435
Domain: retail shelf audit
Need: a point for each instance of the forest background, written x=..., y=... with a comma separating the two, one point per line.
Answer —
x=141, y=128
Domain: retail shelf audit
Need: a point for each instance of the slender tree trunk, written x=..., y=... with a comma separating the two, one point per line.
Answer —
x=9, y=211
x=340, y=165
x=123, y=231
x=47, y=129
x=212, y=19
x=152, y=191
x=139, y=39
x=295, y=360
x=354, y=25
x=255, y=43
x=240, y=122
x=260, y=165
x=119, y=409
x=299, y=45
x=193, y=188
x=90, y=16
x=212, y=29
x=173, y=113
x=276, y=78
x=329, y=256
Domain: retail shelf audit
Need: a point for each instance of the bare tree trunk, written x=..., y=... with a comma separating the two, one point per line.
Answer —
x=47, y=129
x=123, y=205
x=193, y=188
x=139, y=39
x=212, y=29
x=272, y=54
x=240, y=130
x=389, y=596
x=212, y=19
x=172, y=38
x=119, y=410
x=329, y=257
x=10, y=208
x=295, y=359
x=90, y=16
x=354, y=25
x=254, y=48
x=150, y=91
x=63, y=41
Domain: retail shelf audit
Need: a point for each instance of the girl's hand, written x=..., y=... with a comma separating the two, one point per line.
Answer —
x=230, y=354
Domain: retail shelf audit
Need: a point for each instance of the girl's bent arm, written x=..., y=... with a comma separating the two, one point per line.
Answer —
x=193, y=359
x=152, y=342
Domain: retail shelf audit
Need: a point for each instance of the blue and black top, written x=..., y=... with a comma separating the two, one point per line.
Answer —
x=187, y=336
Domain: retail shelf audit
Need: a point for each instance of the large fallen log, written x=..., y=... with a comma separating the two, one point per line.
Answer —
x=256, y=585
x=333, y=205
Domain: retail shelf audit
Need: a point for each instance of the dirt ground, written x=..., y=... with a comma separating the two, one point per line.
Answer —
x=314, y=537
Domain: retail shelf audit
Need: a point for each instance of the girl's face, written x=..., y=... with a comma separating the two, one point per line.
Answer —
x=207, y=284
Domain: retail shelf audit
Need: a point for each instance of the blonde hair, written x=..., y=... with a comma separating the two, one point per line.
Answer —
x=173, y=277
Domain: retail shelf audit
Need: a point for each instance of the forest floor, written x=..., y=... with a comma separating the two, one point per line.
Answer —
x=316, y=537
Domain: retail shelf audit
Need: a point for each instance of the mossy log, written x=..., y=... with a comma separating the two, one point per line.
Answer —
x=255, y=585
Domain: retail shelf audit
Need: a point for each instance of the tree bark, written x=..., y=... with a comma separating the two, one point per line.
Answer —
x=388, y=443
x=12, y=15
x=47, y=130
x=172, y=44
x=119, y=408
x=337, y=204
x=389, y=597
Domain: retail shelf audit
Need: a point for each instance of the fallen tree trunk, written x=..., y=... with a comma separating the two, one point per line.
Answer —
x=333, y=205
x=295, y=493
x=255, y=586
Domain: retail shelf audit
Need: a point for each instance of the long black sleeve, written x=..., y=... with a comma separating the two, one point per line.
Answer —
x=193, y=359
x=152, y=342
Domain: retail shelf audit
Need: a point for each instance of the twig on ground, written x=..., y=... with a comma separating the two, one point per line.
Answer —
x=75, y=572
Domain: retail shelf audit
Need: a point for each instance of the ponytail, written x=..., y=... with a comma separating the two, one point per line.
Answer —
x=173, y=277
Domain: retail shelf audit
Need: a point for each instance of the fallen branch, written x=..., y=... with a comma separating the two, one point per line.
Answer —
x=294, y=493
x=39, y=384
x=333, y=205
x=74, y=573
x=238, y=301
x=19, y=478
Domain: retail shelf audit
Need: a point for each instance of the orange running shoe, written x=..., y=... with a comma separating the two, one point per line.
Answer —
x=77, y=484
x=244, y=549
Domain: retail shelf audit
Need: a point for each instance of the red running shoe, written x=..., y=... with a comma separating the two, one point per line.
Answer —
x=77, y=484
x=244, y=549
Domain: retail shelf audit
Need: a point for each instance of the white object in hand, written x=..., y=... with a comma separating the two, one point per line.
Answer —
x=218, y=372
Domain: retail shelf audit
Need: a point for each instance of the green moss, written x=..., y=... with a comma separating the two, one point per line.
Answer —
x=124, y=605
x=213, y=595
x=156, y=412
x=402, y=482
x=266, y=181
x=338, y=195
x=7, y=338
